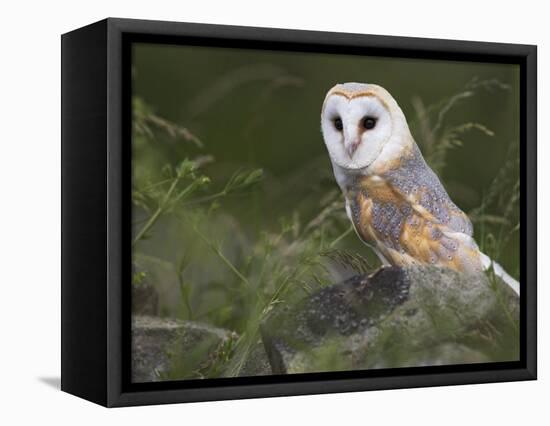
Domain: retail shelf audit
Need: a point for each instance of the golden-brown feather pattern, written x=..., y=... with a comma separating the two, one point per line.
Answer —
x=410, y=220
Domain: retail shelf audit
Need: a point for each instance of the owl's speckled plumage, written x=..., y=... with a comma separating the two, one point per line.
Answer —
x=395, y=201
x=408, y=217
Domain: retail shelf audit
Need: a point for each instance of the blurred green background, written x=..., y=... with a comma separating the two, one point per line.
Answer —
x=252, y=109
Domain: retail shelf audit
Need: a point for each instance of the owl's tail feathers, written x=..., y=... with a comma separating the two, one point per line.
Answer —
x=487, y=263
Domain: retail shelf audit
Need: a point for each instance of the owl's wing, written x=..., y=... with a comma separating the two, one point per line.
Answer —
x=413, y=221
x=421, y=186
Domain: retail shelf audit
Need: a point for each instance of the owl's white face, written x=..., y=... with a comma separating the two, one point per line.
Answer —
x=356, y=123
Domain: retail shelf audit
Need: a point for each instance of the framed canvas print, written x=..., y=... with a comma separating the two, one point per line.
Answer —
x=252, y=212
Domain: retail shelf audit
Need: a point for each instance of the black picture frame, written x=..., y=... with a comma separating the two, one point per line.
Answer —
x=96, y=262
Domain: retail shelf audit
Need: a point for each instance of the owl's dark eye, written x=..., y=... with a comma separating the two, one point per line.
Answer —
x=338, y=124
x=369, y=122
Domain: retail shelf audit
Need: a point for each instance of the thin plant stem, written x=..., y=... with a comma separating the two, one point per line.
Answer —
x=154, y=217
x=341, y=237
x=205, y=199
x=224, y=259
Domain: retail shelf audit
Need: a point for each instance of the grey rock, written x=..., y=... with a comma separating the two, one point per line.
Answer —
x=168, y=349
x=256, y=363
x=395, y=318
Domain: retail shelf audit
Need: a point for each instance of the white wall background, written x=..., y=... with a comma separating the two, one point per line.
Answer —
x=30, y=211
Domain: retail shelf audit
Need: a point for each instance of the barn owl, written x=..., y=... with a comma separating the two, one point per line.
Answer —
x=395, y=202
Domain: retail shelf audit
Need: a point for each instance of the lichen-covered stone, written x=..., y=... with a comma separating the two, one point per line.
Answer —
x=396, y=318
x=169, y=349
x=256, y=363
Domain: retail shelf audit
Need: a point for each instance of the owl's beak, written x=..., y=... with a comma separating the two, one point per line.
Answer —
x=352, y=147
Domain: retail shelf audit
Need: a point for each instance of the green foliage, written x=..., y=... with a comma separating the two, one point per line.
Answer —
x=205, y=360
x=145, y=125
x=138, y=277
x=278, y=266
x=178, y=188
x=435, y=136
